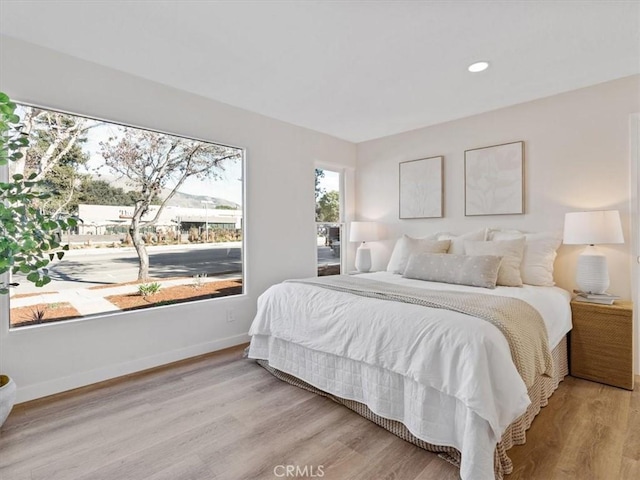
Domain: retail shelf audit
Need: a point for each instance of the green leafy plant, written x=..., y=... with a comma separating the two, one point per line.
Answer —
x=29, y=238
x=148, y=289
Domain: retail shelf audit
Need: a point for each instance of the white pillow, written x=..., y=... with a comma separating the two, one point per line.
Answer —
x=457, y=241
x=406, y=245
x=511, y=252
x=539, y=254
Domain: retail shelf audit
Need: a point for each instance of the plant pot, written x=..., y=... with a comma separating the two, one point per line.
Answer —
x=7, y=397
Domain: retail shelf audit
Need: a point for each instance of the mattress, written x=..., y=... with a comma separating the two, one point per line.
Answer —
x=551, y=302
x=447, y=377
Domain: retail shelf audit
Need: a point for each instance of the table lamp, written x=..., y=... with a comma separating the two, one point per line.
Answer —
x=592, y=228
x=363, y=232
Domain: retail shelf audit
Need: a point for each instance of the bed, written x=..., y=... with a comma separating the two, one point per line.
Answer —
x=442, y=379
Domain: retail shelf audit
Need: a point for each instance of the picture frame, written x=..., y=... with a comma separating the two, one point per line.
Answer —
x=420, y=188
x=494, y=180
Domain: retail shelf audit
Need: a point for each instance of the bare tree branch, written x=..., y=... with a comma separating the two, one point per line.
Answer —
x=152, y=161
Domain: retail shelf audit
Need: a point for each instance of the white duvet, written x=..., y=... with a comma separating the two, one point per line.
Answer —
x=447, y=376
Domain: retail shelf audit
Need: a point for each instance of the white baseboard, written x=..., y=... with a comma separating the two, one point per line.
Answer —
x=82, y=379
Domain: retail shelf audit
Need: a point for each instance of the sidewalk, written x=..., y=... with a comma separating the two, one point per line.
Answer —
x=92, y=301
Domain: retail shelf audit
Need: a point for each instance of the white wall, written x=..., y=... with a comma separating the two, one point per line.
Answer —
x=279, y=176
x=577, y=157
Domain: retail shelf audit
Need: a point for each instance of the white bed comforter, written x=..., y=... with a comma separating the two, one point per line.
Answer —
x=447, y=376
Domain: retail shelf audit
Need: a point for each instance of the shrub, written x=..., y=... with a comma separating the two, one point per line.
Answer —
x=198, y=280
x=38, y=314
x=149, y=289
x=193, y=235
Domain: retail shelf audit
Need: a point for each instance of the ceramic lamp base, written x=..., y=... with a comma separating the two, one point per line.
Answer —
x=363, y=258
x=592, y=273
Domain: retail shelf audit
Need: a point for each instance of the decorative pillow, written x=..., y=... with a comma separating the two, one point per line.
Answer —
x=476, y=271
x=511, y=252
x=407, y=245
x=539, y=254
x=457, y=241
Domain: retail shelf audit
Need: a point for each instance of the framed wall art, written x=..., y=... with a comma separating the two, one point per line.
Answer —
x=494, y=180
x=421, y=188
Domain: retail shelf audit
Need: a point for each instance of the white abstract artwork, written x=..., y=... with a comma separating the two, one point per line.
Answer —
x=494, y=180
x=421, y=188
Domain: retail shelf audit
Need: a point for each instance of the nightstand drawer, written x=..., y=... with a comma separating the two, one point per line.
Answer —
x=602, y=343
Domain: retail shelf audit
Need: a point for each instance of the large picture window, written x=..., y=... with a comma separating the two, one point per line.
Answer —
x=160, y=217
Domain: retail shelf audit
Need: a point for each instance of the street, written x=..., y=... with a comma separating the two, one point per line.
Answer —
x=84, y=268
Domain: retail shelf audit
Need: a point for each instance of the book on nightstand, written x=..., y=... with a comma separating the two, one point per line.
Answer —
x=601, y=298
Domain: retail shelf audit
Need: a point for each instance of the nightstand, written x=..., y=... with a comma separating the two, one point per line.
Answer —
x=602, y=343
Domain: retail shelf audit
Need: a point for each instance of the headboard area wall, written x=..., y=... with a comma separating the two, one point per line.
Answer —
x=576, y=157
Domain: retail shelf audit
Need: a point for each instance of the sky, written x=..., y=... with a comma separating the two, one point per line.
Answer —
x=331, y=181
x=227, y=187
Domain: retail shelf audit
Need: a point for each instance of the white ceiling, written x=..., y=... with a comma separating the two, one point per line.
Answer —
x=353, y=69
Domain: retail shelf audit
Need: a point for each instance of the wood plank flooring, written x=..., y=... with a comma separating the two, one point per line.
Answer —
x=222, y=417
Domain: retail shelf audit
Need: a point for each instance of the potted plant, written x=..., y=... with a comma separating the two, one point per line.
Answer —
x=7, y=396
x=29, y=238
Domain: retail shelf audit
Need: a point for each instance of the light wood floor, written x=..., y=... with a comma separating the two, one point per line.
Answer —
x=222, y=417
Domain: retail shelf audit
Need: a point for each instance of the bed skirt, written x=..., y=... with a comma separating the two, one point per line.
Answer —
x=515, y=434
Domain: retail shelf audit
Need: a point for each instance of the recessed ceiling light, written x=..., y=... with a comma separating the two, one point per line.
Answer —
x=478, y=67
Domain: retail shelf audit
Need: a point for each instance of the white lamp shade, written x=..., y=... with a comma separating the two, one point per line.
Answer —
x=592, y=228
x=363, y=232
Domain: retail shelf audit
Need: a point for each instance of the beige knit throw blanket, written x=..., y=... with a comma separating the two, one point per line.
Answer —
x=519, y=322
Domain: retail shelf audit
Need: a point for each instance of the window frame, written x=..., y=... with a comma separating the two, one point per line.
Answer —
x=341, y=171
x=5, y=300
